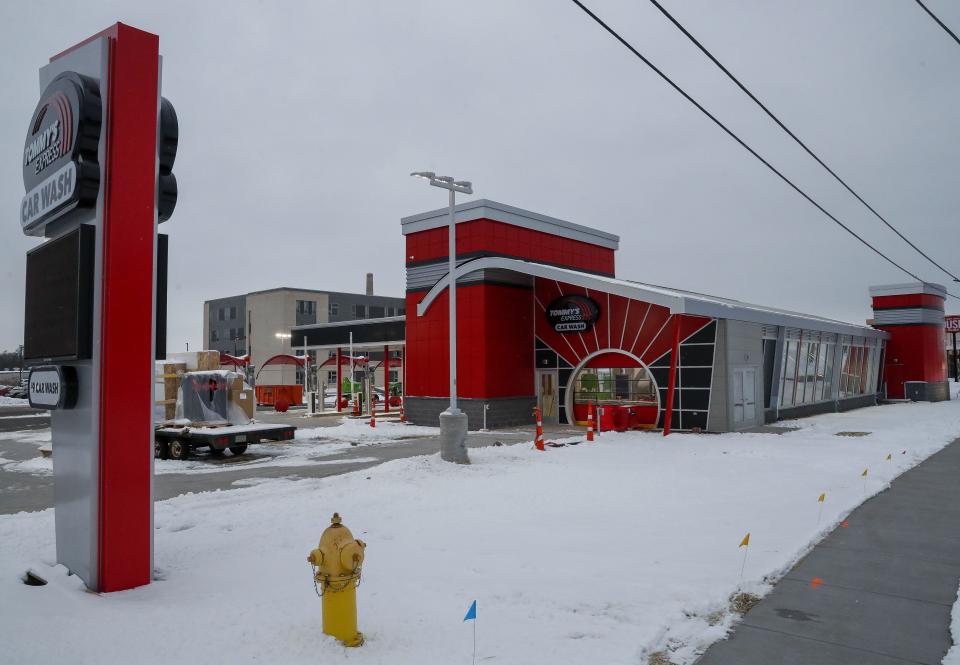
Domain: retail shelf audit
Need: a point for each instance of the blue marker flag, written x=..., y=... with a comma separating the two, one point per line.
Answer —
x=472, y=612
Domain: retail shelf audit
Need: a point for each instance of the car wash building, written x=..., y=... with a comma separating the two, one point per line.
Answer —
x=543, y=319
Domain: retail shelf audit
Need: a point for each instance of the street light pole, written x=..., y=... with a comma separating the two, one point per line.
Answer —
x=453, y=421
x=452, y=289
x=283, y=337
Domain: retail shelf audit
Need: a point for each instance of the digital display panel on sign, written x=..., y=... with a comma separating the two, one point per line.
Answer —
x=59, y=297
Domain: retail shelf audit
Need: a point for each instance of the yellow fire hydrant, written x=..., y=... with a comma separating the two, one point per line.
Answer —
x=336, y=573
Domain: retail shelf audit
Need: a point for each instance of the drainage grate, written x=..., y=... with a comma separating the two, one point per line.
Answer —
x=852, y=433
x=30, y=578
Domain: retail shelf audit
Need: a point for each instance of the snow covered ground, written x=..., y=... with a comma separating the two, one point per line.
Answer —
x=359, y=431
x=953, y=655
x=38, y=465
x=600, y=552
x=13, y=401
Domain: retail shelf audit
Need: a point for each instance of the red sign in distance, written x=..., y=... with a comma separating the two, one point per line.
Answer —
x=952, y=323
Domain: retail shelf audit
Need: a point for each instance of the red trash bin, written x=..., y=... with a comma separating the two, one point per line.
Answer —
x=607, y=417
x=620, y=418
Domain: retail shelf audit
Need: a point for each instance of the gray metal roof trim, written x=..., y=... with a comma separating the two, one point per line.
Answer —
x=353, y=322
x=485, y=208
x=781, y=315
x=765, y=316
x=909, y=288
x=678, y=301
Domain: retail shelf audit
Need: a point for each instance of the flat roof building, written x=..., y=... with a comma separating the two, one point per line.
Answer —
x=543, y=320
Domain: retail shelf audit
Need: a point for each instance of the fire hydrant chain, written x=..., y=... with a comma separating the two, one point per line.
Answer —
x=313, y=575
x=336, y=566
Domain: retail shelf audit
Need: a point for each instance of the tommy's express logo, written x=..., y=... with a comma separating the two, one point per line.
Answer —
x=53, y=141
x=572, y=314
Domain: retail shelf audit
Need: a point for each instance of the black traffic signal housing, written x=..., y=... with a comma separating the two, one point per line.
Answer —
x=167, y=148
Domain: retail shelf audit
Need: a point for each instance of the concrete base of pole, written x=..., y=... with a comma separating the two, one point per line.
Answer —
x=453, y=437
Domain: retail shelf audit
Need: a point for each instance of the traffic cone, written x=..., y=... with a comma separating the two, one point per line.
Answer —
x=590, y=421
x=538, y=442
x=373, y=417
x=356, y=407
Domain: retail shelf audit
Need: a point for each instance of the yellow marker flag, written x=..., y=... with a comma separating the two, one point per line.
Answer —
x=864, y=474
x=889, y=457
x=746, y=540
x=822, y=497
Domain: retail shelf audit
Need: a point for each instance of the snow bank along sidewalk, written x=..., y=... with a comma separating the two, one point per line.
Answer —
x=601, y=552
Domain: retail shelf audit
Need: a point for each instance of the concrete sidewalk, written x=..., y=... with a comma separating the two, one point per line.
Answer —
x=889, y=583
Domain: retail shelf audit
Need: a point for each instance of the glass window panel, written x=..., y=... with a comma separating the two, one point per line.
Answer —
x=875, y=384
x=619, y=384
x=817, y=374
x=864, y=364
x=828, y=371
x=800, y=368
x=789, y=373
x=852, y=368
x=822, y=378
x=803, y=363
x=856, y=370
x=844, y=370
x=809, y=393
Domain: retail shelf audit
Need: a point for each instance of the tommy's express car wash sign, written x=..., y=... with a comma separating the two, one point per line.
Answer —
x=60, y=169
x=572, y=314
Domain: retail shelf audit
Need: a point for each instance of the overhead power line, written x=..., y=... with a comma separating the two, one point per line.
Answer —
x=743, y=144
x=939, y=22
x=803, y=145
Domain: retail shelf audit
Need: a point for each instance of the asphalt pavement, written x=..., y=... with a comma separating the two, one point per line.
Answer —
x=18, y=418
x=889, y=582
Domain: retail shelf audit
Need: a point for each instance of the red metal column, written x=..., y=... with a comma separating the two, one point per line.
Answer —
x=126, y=344
x=386, y=378
x=672, y=381
x=339, y=381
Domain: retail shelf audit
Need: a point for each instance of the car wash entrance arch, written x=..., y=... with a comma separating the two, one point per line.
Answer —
x=618, y=384
x=542, y=319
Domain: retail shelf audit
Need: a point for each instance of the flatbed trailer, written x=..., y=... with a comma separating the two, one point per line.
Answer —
x=176, y=442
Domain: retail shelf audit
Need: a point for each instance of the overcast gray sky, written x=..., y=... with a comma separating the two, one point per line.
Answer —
x=299, y=123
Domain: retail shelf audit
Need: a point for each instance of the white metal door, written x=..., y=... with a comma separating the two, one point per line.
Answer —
x=749, y=396
x=737, y=396
x=744, y=396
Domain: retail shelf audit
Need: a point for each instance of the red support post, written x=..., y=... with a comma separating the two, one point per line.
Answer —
x=339, y=381
x=126, y=325
x=386, y=378
x=590, y=426
x=672, y=381
x=538, y=441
